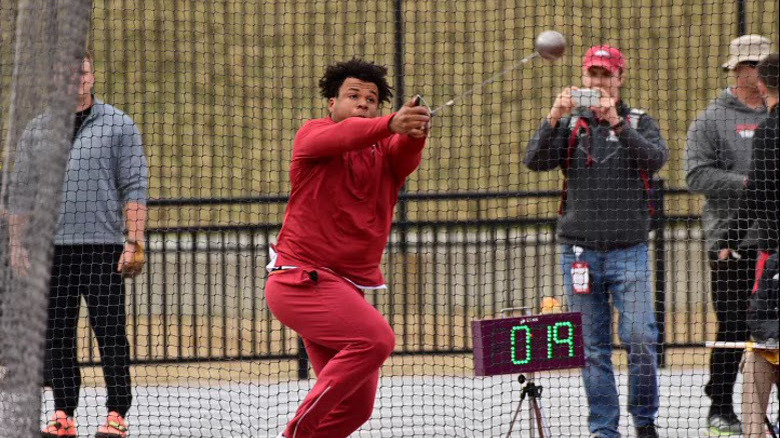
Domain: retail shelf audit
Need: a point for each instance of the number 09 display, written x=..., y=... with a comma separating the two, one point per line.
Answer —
x=528, y=343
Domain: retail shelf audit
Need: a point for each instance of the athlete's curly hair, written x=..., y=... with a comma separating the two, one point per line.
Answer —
x=355, y=68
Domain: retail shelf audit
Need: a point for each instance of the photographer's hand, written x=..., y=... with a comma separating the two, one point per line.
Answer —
x=607, y=109
x=562, y=106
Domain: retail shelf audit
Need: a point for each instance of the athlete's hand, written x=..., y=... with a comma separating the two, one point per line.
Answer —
x=562, y=106
x=412, y=119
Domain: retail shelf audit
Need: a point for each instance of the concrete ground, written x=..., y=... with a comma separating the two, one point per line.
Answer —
x=427, y=398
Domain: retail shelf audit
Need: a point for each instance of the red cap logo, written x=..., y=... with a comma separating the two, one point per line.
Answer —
x=605, y=56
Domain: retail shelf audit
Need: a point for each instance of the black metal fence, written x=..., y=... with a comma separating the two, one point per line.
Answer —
x=201, y=296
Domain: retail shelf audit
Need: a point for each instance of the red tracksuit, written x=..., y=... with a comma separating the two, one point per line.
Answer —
x=345, y=180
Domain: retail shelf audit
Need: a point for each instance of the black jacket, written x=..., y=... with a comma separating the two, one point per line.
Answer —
x=606, y=201
x=760, y=206
x=762, y=316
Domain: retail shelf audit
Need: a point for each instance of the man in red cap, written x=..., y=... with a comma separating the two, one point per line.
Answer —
x=608, y=153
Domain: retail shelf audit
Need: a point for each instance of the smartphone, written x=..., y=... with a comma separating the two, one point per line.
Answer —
x=586, y=97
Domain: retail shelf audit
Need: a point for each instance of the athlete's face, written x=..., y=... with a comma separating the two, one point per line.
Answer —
x=356, y=99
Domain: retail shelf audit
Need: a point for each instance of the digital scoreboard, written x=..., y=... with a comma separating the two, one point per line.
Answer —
x=527, y=343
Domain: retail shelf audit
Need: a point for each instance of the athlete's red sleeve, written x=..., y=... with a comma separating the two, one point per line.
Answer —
x=324, y=138
x=405, y=154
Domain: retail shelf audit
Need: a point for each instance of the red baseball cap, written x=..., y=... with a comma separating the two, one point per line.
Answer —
x=605, y=56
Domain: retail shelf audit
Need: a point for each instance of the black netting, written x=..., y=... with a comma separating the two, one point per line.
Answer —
x=184, y=154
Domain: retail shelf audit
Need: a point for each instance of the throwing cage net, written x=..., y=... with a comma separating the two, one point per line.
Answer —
x=204, y=102
x=42, y=45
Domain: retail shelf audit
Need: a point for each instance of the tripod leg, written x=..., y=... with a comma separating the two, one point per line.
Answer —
x=532, y=418
x=514, y=417
x=770, y=427
x=541, y=423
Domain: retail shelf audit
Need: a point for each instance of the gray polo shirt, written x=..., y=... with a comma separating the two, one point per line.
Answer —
x=107, y=169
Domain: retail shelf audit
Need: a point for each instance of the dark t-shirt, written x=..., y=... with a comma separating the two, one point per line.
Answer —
x=81, y=116
x=761, y=202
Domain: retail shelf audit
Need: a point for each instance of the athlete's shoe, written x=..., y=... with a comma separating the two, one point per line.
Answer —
x=114, y=427
x=724, y=424
x=60, y=425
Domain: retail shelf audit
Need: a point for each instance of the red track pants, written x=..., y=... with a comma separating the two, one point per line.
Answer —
x=347, y=341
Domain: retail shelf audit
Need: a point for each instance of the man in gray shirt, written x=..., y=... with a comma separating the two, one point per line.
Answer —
x=99, y=239
x=718, y=158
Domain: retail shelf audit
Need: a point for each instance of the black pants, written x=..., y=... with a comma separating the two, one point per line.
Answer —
x=732, y=282
x=88, y=271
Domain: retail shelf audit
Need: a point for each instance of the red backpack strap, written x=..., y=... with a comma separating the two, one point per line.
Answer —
x=649, y=190
x=579, y=123
x=763, y=257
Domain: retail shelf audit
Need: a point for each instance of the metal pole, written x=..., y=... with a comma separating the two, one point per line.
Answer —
x=659, y=224
x=403, y=215
x=398, y=53
x=741, y=18
x=303, y=361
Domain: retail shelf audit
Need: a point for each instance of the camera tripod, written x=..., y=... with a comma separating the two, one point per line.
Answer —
x=535, y=411
x=529, y=390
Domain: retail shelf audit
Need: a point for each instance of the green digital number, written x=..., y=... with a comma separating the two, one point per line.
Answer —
x=514, y=336
x=554, y=337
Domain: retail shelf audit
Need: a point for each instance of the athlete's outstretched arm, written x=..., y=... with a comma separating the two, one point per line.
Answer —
x=323, y=138
x=412, y=125
x=405, y=154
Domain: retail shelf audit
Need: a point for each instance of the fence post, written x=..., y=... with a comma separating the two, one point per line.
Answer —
x=659, y=225
x=403, y=215
x=398, y=53
x=303, y=361
x=741, y=18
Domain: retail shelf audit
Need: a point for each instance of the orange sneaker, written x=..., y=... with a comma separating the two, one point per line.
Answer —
x=60, y=425
x=114, y=427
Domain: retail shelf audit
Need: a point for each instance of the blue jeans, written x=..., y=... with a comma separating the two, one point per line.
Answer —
x=624, y=275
